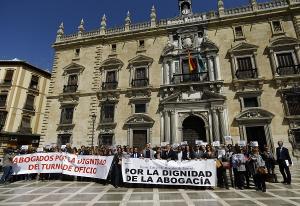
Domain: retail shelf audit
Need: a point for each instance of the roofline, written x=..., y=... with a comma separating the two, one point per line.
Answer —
x=23, y=63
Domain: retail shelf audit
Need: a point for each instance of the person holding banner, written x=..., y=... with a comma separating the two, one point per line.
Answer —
x=135, y=153
x=188, y=153
x=198, y=152
x=117, y=179
x=169, y=154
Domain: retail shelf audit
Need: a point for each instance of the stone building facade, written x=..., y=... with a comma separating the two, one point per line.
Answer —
x=23, y=90
x=133, y=84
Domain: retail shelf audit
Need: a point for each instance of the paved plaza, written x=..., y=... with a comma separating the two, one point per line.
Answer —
x=58, y=193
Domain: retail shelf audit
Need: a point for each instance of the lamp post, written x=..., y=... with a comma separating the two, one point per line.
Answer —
x=94, y=120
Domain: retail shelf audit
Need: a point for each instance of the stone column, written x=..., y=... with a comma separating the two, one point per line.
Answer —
x=241, y=129
x=256, y=65
x=222, y=123
x=215, y=120
x=161, y=127
x=170, y=63
x=273, y=62
x=173, y=127
x=166, y=126
x=233, y=70
x=217, y=67
x=211, y=68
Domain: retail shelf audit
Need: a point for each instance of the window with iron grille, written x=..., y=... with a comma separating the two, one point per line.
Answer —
x=67, y=115
x=285, y=59
x=141, y=43
x=8, y=76
x=29, y=104
x=26, y=122
x=3, y=98
x=111, y=77
x=293, y=104
x=244, y=63
x=34, y=82
x=113, y=47
x=108, y=113
x=106, y=139
x=73, y=79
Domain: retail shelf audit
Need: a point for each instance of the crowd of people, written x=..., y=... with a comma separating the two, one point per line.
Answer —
x=240, y=163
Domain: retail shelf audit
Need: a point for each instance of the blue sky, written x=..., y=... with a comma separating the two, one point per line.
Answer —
x=28, y=27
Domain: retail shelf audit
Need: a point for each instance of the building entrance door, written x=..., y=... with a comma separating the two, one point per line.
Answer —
x=257, y=134
x=193, y=128
x=139, y=138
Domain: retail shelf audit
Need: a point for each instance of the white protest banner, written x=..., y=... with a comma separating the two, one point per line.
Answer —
x=198, y=142
x=162, y=172
x=24, y=147
x=38, y=163
x=88, y=166
x=216, y=144
x=242, y=143
x=77, y=165
x=228, y=139
x=163, y=144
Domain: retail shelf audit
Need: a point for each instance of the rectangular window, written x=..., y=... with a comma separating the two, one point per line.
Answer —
x=108, y=113
x=244, y=63
x=106, y=139
x=141, y=43
x=111, y=77
x=297, y=136
x=29, y=104
x=276, y=26
x=285, y=59
x=250, y=102
x=63, y=139
x=114, y=47
x=3, y=115
x=293, y=104
x=67, y=115
x=238, y=31
x=77, y=52
x=141, y=79
x=3, y=98
x=73, y=79
x=25, y=125
x=140, y=108
x=8, y=76
x=34, y=82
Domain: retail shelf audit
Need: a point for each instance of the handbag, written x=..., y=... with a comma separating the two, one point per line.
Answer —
x=261, y=170
x=219, y=163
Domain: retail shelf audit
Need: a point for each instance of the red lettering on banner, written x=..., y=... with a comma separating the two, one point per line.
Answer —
x=33, y=167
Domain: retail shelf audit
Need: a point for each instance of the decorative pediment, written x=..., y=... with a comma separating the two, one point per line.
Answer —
x=209, y=46
x=141, y=60
x=254, y=115
x=111, y=63
x=283, y=42
x=243, y=47
x=73, y=68
x=192, y=97
x=139, y=120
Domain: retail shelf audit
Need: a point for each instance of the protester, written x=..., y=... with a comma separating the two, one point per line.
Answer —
x=148, y=152
x=258, y=169
x=284, y=162
x=270, y=161
x=7, y=167
x=169, y=154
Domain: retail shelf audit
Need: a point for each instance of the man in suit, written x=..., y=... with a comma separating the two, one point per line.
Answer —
x=284, y=161
x=169, y=154
x=188, y=154
x=148, y=152
x=135, y=153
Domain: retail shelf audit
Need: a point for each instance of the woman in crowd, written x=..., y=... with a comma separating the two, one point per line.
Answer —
x=258, y=169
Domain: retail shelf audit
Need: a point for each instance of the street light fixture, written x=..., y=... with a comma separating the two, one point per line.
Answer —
x=94, y=120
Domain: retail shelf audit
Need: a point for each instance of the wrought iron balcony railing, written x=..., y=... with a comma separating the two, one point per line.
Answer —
x=246, y=74
x=191, y=77
x=140, y=82
x=109, y=85
x=29, y=107
x=288, y=70
x=70, y=88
